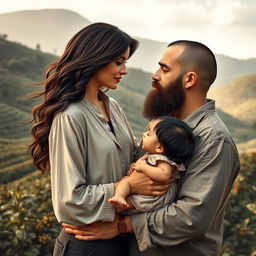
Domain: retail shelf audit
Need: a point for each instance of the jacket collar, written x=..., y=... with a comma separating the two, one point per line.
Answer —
x=194, y=119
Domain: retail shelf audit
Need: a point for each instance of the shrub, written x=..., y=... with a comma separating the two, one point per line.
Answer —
x=27, y=223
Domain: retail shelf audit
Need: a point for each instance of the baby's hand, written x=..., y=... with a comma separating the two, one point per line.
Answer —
x=140, y=163
x=131, y=169
x=132, y=166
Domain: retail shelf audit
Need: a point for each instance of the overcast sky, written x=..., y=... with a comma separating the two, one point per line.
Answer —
x=226, y=26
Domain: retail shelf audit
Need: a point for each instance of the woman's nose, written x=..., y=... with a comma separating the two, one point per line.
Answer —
x=124, y=70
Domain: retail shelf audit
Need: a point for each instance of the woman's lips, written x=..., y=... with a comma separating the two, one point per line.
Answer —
x=118, y=79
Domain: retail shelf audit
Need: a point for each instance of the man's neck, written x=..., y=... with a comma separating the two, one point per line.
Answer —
x=189, y=107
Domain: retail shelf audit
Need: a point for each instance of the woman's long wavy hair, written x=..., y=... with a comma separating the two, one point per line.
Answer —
x=65, y=82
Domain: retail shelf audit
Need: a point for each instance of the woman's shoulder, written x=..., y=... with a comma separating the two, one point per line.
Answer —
x=113, y=101
x=114, y=104
x=74, y=111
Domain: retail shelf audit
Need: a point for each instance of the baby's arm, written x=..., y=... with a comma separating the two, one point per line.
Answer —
x=161, y=172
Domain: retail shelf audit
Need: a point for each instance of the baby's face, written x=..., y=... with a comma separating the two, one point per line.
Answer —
x=149, y=139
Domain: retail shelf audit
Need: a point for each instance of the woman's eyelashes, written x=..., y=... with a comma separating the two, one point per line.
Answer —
x=119, y=63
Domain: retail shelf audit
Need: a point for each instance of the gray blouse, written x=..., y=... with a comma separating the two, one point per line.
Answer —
x=86, y=158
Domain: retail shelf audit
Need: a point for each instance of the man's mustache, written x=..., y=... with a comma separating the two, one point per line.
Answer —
x=155, y=84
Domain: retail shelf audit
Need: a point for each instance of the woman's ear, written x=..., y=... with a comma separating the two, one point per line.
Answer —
x=160, y=149
x=190, y=79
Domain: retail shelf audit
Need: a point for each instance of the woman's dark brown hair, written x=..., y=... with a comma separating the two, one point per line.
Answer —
x=89, y=50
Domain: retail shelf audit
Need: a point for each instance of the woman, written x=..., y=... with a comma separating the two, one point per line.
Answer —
x=83, y=137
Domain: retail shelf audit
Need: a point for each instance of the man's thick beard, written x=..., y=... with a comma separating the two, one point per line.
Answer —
x=164, y=101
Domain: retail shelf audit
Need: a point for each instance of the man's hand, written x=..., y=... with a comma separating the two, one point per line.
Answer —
x=142, y=184
x=95, y=231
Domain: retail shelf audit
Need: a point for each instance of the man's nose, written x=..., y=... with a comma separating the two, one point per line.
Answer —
x=156, y=76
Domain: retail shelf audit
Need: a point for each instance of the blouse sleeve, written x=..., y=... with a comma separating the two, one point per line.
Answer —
x=74, y=201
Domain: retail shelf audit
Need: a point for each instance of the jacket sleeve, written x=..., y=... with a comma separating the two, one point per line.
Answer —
x=204, y=191
x=74, y=201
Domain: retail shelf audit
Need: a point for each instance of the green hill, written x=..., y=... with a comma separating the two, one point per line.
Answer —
x=14, y=160
x=240, y=130
x=13, y=126
x=237, y=98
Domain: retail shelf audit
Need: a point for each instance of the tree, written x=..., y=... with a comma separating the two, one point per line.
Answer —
x=38, y=47
x=4, y=36
x=240, y=218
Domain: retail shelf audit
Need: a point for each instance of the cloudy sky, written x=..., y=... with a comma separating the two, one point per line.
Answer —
x=226, y=26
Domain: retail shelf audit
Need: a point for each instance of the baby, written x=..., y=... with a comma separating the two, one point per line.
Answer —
x=169, y=144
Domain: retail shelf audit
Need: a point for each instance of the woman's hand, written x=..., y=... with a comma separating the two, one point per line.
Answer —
x=94, y=231
x=142, y=184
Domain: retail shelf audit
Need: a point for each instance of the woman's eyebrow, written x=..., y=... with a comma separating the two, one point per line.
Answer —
x=123, y=57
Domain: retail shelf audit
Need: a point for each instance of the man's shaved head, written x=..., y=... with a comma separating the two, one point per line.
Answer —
x=200, y=59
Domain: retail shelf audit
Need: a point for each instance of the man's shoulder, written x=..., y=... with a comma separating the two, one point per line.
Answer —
x=212, y=136
x=212, y=128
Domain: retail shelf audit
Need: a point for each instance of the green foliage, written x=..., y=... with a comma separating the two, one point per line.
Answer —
x=27, y=223
x=240, y=218
x=14, y=160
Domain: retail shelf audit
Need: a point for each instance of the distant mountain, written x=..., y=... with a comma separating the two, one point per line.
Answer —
x=230, y=69
x=147, y=55
x=238, y=98
x=52, y=28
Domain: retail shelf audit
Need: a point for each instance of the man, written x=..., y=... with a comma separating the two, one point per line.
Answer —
x=193, y=225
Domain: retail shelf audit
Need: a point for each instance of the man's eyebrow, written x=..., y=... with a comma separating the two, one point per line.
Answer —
x=163, y=65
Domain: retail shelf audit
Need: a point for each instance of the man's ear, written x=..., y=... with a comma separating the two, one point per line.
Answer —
x=160, y=149
x=190, y=79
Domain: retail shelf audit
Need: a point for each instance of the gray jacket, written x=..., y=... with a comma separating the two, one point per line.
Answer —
x=193, y=225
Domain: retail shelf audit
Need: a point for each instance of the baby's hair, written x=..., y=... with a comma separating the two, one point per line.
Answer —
x=176, y=137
